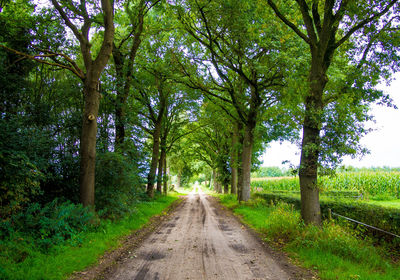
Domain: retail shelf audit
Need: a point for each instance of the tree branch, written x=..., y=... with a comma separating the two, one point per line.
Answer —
x=287, y=22
x=39, y=58
x=363, y=23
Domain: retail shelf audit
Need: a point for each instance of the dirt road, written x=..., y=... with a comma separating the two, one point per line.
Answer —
x=201, y=241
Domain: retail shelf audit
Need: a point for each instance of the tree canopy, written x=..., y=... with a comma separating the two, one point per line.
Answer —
x=120, y=99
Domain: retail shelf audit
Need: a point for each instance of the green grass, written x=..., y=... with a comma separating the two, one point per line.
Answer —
x=333, y=251
x=61, y=261
x=389, y=203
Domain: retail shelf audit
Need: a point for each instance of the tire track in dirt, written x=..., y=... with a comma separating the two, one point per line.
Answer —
x=203, y=241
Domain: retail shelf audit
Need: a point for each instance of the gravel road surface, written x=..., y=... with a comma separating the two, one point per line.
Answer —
x=202, y=241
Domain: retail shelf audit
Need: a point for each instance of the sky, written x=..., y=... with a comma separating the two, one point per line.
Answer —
x=383, y=142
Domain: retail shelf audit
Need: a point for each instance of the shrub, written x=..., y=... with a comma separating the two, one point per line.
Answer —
x=283, y=223
x=118, y=184
x=50, y=225
x=385, y=218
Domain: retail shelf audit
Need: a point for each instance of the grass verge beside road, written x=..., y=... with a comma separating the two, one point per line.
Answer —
x=61, y=261
x=332, y=250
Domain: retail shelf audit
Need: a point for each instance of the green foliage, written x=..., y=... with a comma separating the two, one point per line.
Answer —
x=118, y=184
x=49, y=225
x=23, y=153
x=270, y=171
x=332, y=250
x=20, y=259
x=382, y=217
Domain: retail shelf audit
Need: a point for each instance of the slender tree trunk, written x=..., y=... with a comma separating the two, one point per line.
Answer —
x=88, y=143
x=154, y=159
x=240, y=181
x=217, y=182
x=124, y=70
x=165, y=177
x=161, y=165
x=178, y=179
x=120, y=100
x=246, y=158
x=160, y=173
x=120, y=116
x=226, y=188
x=240, y=163
x=214, y=175
x=308, y=174
x=234, y=160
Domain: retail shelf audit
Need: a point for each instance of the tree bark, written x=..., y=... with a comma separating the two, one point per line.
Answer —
x=94, y=68
x=178, y=179
x=165, y=177
x=124, y=69
x=240, y=163
x=234, y=160
x=88, y=143
x=214, y=179
x=217, y=182
x=161, y=166
x=246, y=159
x=154, y=159
x=160, y=173
x=226, y=188
x=310, y=147
x=248, y=141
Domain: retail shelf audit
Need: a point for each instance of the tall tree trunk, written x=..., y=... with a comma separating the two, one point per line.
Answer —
x=240, y=163
x=154, y=159
x=246, y=157
x=165, y=177
x=234, y=160
x=119, y=61
x=240, y=182
x=120, y=115
x=226, y=188
x=124, y=70
x=161, y=165
x=178, y=179
x=217, y=182
x=88, y=143
x=94, y=68
x=214, y=179
x=310, y=147
x=160, y=173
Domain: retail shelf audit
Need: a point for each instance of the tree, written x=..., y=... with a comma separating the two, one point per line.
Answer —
x=239, y=66
x=79, y=18
x=328, y=25
x=125, y=47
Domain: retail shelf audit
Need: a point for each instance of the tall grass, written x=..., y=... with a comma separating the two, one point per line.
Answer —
x=62, y=260
x=332, y=250
x=371, y=183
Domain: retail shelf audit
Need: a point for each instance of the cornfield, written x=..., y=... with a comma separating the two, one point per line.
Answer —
x=367, y=182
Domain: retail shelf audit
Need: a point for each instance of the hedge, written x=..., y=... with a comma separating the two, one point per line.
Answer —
x=384, y=218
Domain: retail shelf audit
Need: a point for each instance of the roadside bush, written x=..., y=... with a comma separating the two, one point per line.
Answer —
x=52, y=224
x=118, y=185
x=385, y=218
x=283, y=223
x=333, y=250
x=23, y=153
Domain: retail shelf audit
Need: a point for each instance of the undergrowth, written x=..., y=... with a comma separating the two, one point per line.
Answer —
x=332, y=250
x=25, y=256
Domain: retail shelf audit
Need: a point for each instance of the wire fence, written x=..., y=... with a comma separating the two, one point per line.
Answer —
x=361, y=223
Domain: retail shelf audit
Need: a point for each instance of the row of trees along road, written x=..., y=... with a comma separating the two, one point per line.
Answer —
x=193, y=86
